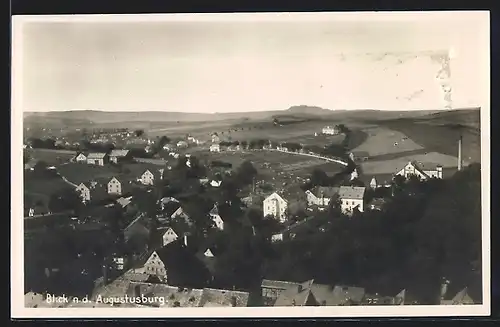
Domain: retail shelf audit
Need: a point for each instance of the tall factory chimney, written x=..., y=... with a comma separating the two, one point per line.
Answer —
x=460, y=152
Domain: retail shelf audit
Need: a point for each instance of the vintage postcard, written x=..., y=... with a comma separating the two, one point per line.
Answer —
x=251, y=165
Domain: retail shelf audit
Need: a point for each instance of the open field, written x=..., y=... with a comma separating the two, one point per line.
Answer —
x=38, y=189
x=393, y=165
x=81, y=172
x=381, y=140
x=440, y=138
x=50, y=156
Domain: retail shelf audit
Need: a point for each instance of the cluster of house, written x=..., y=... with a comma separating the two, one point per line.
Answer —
x=102, y=158
x=114, y=186
x=284, y=293
x=134, y=290
x=352, y=198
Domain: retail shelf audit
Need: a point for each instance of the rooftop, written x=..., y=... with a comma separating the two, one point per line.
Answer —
x=298, y=296
x=96, y=155
x=352, y=192
x=326, y=191
x=119, y=153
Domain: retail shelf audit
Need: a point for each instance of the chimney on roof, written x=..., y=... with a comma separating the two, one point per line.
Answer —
x=293, y=302
x=185, y=239
x=460, y=152
x=105, y=277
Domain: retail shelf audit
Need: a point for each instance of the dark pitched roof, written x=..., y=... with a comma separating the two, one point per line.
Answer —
x=215, y=298
x=326, y=191
x=298, y=296
x=183, y=267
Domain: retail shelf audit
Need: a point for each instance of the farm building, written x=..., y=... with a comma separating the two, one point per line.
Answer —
x=351, y=197
x=275, y=206
x=118, y=155
x=331, y=130
x=423, y=171
x=97, y=158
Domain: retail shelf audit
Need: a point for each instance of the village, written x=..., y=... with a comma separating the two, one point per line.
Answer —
x=175, y=206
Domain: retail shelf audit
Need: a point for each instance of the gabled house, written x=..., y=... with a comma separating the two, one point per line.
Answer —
x=274, y=205
x=166, y=200
x=351, y=198
x=169, y=236
x=174, y=264
x=423, y=171
x=149, y=177
x=216, y=218
x=181, y=214
x=338, y=295
x=321, y=196
x=80, y=158
x=97, y=158
x=118, y=155
x=84, y=192
x=114, y=187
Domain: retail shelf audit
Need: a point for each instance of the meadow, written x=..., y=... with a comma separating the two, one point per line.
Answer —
x=50, y=156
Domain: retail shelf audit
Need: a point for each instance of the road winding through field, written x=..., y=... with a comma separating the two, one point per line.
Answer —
x=314, y=156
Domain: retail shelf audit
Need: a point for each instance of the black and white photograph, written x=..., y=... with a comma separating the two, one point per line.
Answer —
x=277, y=164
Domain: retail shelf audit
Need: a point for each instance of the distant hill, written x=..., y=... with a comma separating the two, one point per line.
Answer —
x=85, y=118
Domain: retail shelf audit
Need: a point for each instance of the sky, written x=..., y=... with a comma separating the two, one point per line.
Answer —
x=240, y=65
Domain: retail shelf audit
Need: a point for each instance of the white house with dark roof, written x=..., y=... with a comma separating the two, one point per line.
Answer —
x=148, y=177
x=84, y=192
x=114, y=186
x=423, y=171
x=117, y=155
x=351, y=198
x=97, y=158
x=321, y=196
x=274, y=205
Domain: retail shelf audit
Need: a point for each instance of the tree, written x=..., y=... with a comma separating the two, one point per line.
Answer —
x=64, y=200
x=319, y=177
x=139, y=132
x=245, y=173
